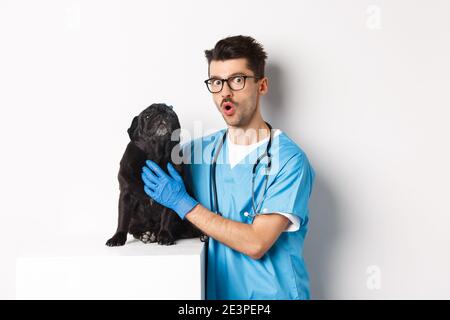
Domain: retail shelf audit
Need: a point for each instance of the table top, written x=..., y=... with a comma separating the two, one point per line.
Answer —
x=95, y=246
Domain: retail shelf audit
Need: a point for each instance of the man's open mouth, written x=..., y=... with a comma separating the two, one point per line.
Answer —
x=228, y=108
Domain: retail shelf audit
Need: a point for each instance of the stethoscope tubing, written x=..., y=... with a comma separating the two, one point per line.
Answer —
x=214, y=187
x=269, y=165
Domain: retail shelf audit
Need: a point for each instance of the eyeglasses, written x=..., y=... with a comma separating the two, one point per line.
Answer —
x=235, y=83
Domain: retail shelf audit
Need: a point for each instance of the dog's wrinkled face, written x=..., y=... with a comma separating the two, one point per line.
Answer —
x=155, y=136
x=157, y=121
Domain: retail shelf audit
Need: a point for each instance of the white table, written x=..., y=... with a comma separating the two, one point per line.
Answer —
x=88, y=269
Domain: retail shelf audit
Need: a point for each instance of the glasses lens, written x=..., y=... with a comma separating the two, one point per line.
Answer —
x=237, y=83
x=214, y=85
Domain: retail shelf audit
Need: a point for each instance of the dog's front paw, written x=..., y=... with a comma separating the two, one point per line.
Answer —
x=147, y=237
x=165, y=238
x=118, y=239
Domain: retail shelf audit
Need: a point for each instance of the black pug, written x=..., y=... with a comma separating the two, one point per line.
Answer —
x=139, y=215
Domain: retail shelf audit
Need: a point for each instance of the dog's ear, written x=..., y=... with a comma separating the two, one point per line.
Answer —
x=132, y=130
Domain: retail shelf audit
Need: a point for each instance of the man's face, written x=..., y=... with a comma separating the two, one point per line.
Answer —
x=245, y=102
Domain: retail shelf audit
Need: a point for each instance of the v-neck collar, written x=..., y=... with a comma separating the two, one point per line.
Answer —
x=248, y=150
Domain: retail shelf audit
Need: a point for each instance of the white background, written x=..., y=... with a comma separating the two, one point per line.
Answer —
x=361, y=86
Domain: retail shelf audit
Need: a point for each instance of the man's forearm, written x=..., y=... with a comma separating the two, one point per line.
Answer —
x=237, y=235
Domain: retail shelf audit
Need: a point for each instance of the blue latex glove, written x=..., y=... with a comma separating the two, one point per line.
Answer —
x=168, y=191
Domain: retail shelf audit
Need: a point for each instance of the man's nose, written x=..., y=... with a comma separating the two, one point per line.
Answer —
x=226, y=90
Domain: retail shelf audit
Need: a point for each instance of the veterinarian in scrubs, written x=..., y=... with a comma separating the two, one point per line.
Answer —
x=251, y=255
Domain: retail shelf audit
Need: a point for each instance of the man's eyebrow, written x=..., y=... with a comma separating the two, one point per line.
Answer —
x=233, y=74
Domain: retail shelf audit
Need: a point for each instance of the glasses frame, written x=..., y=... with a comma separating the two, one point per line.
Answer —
x=223, y=82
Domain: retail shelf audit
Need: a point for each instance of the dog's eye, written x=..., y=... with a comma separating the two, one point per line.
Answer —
x=147, y=117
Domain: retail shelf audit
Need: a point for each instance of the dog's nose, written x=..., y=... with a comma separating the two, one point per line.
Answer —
x=161, y=122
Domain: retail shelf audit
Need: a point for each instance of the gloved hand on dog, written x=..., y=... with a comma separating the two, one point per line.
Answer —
x=168, y=191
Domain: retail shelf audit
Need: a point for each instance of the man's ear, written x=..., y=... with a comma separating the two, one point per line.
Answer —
x=132, y=130
x=264, y=86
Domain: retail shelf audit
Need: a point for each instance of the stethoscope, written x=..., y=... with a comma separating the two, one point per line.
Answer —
x=267, y=154
x=256, y=208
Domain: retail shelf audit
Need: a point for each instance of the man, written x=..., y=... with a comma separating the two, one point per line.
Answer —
x=256, y=255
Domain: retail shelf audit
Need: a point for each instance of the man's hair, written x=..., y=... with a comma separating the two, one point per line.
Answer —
x=239, y=47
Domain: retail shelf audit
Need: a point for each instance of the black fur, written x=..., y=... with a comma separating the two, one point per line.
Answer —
x=139, y=215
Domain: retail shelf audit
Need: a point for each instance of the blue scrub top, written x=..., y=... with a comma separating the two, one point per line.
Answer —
x=281, y=273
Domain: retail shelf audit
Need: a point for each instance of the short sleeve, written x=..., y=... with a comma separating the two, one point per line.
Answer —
x=294, y=223
x=291, y=189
